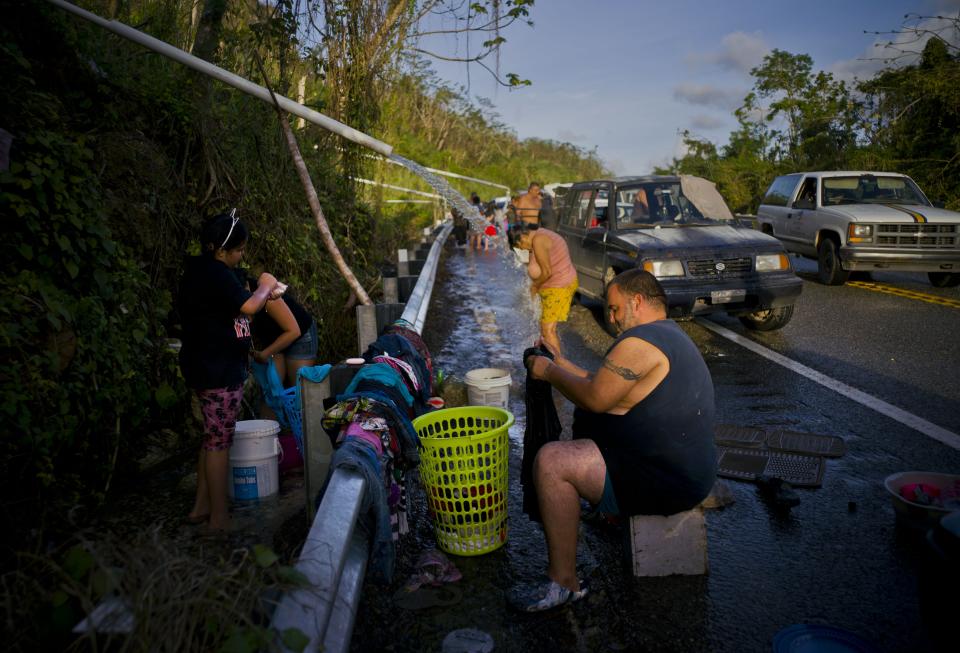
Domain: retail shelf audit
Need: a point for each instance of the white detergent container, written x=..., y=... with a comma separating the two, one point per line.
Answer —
x=254, y=471
x=488, y=386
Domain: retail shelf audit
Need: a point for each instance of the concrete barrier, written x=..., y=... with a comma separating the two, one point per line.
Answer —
x=669, y=545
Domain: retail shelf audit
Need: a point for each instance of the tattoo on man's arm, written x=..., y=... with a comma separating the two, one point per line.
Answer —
x=626, y=373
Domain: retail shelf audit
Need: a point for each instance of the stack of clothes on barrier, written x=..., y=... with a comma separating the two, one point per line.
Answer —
x=371, y=425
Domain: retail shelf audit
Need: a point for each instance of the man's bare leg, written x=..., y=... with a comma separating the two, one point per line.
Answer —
x=564, y=472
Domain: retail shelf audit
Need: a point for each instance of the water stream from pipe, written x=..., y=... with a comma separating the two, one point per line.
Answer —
x=446, y=191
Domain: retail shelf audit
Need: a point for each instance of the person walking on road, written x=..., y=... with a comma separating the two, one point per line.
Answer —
x=551, y=273
x=215, y=309
x=476, y=234
x=642, y=429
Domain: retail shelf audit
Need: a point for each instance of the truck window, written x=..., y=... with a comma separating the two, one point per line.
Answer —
x=807, y=197
x=579, y=209
x=781, y=190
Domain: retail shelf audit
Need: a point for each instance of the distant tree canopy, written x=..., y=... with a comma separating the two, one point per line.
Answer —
x=905, y=119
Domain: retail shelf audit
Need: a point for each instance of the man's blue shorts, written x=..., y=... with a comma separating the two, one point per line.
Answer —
x=608, y=502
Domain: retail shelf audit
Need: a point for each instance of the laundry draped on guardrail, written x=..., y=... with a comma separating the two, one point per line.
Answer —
x=371, y=426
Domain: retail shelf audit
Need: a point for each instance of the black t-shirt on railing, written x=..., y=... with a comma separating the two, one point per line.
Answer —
x=216, y=335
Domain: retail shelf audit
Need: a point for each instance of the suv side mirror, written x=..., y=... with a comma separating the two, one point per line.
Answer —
x=940, y=205
x=804, y=203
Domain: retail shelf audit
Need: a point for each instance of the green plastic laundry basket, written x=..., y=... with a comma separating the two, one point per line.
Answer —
x=463, y=467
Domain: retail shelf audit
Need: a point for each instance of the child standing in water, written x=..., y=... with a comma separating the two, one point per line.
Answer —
x=215, y=309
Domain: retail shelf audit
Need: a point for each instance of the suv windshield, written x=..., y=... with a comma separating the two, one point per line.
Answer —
x=659, y=204
x=871, y=189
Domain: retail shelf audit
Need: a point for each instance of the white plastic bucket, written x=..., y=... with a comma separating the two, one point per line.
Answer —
x=488, y=386
x=253, y=471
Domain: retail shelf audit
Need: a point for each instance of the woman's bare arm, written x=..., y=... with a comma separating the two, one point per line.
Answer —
x=281, y=314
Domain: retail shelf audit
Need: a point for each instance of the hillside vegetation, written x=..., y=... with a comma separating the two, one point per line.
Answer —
x=118, y=155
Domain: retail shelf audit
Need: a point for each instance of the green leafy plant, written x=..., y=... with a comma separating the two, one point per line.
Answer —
x=439, y=381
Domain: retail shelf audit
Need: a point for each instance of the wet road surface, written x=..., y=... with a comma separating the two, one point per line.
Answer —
x=837, y=559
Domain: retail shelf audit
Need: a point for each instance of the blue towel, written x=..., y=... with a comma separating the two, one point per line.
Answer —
x=269, y=381
x=399, y=347
x=316, y=374
x=383, y=374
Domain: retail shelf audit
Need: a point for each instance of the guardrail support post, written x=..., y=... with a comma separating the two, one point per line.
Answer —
x=416, y=265
x=366, y=326
x=403, y=269
x=372, y=318
x=390, y=291
x=317, y=448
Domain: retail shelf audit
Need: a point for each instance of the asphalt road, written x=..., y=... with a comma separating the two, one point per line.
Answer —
x=839, y=558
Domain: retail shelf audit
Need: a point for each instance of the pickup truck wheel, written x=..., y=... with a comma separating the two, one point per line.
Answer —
x=829, y=270
x=944, y=279
x=768, y=320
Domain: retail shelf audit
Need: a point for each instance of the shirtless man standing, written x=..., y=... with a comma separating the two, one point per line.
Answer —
x=528, y=206
x=642, y=429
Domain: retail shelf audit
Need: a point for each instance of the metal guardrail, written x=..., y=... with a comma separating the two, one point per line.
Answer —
x=334, y=560
x=334, y=556
x=415, y=311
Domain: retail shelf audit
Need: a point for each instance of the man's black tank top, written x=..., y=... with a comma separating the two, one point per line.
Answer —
x=660, y=455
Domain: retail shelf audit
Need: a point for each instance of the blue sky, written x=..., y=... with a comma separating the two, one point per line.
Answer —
x=626, y=76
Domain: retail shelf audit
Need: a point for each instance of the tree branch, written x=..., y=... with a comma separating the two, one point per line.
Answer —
x=325, y=234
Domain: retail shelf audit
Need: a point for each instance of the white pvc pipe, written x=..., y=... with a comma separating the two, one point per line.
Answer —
x=227, y=77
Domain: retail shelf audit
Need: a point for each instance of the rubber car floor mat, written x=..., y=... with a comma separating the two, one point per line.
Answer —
x=743, y=464
x=739, y=436
x=829, y=446
x=812, y=444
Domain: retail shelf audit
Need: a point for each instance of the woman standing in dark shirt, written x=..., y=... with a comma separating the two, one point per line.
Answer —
x=214, y=308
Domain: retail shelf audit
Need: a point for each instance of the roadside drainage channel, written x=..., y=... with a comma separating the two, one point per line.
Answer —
x=334, y=555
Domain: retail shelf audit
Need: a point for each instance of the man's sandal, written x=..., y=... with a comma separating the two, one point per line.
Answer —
x=545, y=595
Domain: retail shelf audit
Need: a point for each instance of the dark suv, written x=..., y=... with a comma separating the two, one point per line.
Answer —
x=680, y=229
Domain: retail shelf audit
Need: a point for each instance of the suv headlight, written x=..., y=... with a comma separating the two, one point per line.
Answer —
x=772, y=262
x=860, y=233
x=669, y=268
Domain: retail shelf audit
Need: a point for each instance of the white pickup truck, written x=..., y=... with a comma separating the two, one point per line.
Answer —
x=862, y=221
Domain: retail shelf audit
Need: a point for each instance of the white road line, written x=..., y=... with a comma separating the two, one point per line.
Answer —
x=929, y=429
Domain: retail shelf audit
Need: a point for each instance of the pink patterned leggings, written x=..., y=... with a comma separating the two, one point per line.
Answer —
x=220, y=408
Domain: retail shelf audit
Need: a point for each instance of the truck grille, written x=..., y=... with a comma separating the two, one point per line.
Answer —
x=917, y=235
x=732, y=267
